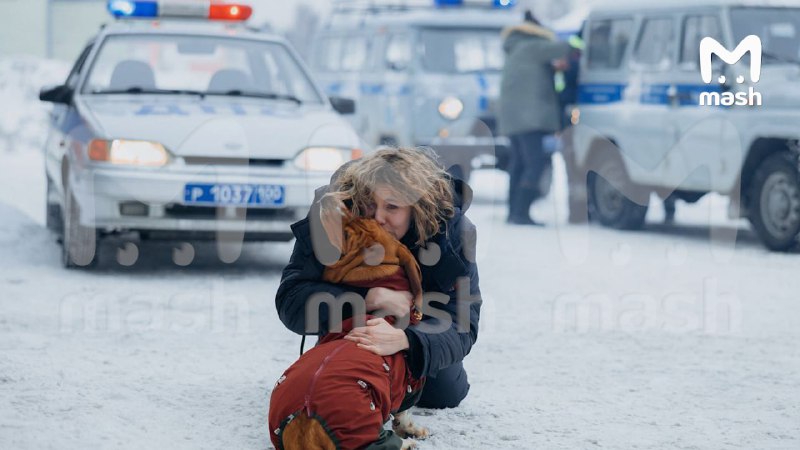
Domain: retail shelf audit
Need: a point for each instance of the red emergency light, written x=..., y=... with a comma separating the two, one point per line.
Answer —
x=222, y=11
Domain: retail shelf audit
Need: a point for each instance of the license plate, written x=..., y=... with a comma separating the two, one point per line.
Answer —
x=251, y=195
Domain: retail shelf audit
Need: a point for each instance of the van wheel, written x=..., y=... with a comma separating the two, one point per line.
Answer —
x=775, y=201
x=610, y=206
x=53, y=212
x=79, y=245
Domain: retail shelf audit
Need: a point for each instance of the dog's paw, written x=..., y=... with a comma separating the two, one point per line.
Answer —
x=405, y=427
x=412, y=431
x=419, y=432
x=408, y=444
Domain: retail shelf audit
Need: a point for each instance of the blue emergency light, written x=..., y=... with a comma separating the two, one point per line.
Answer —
x=130, y=8
x=212, y=9
x=499, y=4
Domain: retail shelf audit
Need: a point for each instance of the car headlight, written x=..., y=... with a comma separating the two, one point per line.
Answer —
x=450, y=108
x=128, y=152
x=325, y=159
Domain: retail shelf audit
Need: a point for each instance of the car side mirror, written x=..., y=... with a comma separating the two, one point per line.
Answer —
x=57, y=94
x=397, y=66
x=343, y=105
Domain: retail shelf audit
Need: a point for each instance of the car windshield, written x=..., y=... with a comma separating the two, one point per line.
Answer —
x=778, y=28
x=198, y=65
x=461, y=50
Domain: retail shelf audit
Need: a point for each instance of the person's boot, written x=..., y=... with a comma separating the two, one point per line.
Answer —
x=523, y=200
x=524, y=221
x=513, y=204
x=669, y=210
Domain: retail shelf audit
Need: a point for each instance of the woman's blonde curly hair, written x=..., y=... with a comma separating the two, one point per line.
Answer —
x=412, y=173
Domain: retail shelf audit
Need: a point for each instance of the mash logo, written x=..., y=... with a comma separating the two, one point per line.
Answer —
x=709, y=46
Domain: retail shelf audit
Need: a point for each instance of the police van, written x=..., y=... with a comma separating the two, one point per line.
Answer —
x=664, y=107
x=177, y=122
x=423, y=73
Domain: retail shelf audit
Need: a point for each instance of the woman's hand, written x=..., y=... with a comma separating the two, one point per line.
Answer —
x=391, y=302
x=379, y=337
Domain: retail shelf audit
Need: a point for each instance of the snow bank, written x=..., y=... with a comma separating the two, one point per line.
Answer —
x=23, y=118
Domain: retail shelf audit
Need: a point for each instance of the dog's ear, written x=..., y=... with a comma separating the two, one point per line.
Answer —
x=334, y=215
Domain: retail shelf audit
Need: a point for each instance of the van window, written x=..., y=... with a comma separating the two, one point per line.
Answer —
x=355, y=54
x=778, y=28
x=398, y=52
x=328, y=54
x=695, y=28
x=457, y=50
x=655, y=44
x=608, y=41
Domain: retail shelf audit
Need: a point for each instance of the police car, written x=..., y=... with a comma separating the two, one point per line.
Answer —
x=424, y=73
x=647, y=119
x=187, y=128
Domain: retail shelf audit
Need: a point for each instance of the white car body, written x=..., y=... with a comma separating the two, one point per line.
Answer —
x=234, y=142
x=649, y=111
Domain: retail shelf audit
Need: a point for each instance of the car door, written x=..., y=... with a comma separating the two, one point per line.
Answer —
x=648, y=143
x=704, y=132
x=63, y=118
x=603, y=80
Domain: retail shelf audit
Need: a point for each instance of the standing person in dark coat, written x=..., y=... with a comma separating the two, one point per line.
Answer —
x=529, y=110
x=445, y=250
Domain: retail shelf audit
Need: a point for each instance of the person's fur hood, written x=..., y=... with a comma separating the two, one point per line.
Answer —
x=528, y=28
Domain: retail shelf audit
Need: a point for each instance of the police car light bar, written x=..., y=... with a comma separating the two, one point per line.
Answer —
x=209, y=9
x=501, y=4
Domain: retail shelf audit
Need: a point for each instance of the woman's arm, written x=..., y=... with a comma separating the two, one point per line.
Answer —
x=429, y=352
x=301, y=280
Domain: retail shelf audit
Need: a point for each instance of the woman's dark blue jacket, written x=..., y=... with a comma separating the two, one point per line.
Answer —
x=429, y=351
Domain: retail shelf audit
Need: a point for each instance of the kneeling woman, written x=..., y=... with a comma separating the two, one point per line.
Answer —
x=422, y=206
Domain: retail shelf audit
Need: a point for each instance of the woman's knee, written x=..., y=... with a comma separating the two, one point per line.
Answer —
x=447, y=390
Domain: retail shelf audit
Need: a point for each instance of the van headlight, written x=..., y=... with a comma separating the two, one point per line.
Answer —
x=128, y=152
x=450, y=108
x=325, y=159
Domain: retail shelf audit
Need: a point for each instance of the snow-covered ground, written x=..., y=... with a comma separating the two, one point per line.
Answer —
x=590, y=338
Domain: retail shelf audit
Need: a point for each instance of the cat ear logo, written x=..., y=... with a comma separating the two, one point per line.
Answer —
x=710, y=46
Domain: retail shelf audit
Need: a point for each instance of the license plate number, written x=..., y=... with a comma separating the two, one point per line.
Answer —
x=252, y=195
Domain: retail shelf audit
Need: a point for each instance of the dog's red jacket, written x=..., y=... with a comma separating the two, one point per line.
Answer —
x=349, y=390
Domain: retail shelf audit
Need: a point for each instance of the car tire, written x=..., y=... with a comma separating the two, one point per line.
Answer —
x=79, y=243
x=774, y=194
x=607, y=204
x=53, y=217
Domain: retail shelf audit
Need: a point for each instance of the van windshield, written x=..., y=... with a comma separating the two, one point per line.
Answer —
x=461, y=50
x=778, y=28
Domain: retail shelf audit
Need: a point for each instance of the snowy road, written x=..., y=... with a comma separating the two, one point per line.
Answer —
x=590, y=338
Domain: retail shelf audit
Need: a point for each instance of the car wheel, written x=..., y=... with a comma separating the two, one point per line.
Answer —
x=53, y=213
x=610, y=206
x=79, y=244
x=775, y=201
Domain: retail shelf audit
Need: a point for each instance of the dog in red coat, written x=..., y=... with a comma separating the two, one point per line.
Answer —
x=339, y=396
